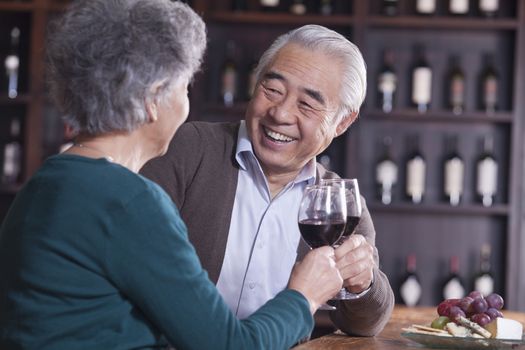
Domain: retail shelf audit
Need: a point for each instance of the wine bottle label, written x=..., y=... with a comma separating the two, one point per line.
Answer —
x=326, y=7
x=229, y=87
x=458, y=6
x=490, y=92
x=11, y=63
x=426, y=6
x=488, y=5
x=387, y=82
x=298, y=8
x=454, y=169
x=11, y=166
x=487, y=171
x=422, y=85
x=457, y=91
x=453, y=289
x=270, y=3
x=416, y=178
x=484, y=284
x=386, y=173
x=410, y=291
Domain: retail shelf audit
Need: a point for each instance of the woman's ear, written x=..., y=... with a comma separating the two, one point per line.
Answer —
x=345, y=123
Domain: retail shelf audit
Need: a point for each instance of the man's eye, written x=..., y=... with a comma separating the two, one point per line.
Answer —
x=273, y=91
x=305, y=105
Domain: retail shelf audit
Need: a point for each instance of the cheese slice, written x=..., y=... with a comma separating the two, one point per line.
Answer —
x=505, y=328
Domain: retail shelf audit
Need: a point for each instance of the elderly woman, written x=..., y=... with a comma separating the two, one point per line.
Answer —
x=93, y=255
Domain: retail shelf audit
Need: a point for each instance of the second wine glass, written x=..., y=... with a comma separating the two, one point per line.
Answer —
x=353, y=203
x=353, y=216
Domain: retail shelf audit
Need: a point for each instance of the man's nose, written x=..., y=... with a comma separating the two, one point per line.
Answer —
x=283, y=111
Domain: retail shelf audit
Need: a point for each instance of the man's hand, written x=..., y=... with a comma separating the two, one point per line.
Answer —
x=355, y=261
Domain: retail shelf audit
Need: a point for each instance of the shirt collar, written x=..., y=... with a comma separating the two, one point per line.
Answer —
x=245, y=151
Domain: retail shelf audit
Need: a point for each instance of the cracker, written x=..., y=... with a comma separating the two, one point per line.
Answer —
x=474, y=327
x=428, y=329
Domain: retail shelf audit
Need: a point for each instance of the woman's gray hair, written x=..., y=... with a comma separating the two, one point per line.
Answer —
x=322, y=39
x=104, y=58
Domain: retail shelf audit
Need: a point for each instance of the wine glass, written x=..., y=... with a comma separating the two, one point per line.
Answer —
x=322, y=217
x=353, y=204
x=353, y=215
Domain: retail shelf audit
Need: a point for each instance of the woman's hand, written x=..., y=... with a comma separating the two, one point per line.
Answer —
x=316, y=277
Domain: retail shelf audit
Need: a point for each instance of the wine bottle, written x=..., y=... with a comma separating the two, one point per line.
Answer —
x=421, y=82
x=426, y=7
x=453, y=288
x=489, y=8
x=386, y=173
x=251, y=82
x=390, y=7
x=489, y=86
x=410, y=288
x=484, y=280
x=270, y=5
x=239, y=5
x=229, y=76
x=456, y=87
x=326, y=7
x=298, y=7
x=487, y=173
x=12, y=63
x=458, y=7
x=416, y=173
x=454, y=174
x=387, y=83
x=12, y=154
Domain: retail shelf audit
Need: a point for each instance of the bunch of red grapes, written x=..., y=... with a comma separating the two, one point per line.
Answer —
x=474, y=306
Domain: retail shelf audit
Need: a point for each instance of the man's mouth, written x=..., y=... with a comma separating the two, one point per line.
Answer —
x=277, y=137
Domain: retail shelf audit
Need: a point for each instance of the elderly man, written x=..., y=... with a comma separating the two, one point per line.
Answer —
x=238, y=186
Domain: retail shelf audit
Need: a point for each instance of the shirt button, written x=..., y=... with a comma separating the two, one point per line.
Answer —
x=261, y=245
x=251, y=285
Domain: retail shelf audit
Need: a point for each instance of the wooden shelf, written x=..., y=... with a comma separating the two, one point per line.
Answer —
x=440, y=209
x=19, y=100
x=9, y=190
x=440, y=116
x=17, y=6
x=252, y=17
x=420, y=22
x=237, y=109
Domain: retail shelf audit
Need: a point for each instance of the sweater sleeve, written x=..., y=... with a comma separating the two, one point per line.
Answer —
x=150, y=260
x=175, y=170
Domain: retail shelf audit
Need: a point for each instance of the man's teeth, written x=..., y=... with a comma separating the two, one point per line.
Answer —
x=279, y=137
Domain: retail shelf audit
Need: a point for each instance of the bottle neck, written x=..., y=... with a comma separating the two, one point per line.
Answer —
x=411, y=264
x=454, y=265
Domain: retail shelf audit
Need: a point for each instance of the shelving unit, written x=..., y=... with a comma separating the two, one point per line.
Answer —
x=433, y=230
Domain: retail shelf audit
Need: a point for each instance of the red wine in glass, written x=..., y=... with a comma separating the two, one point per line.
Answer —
x=351, y=224
x=319, y=233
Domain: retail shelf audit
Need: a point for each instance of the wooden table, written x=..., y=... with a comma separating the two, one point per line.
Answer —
x=390, y=338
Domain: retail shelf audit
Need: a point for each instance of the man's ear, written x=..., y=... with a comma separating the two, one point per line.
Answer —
x=345, y=123
x=151, y=109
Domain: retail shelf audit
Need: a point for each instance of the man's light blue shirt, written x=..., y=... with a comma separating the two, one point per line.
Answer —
x=264, y=235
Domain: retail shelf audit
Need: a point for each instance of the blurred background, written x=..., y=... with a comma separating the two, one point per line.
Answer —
x=438, y=147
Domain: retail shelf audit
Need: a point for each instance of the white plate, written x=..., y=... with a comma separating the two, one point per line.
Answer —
x=437, y=342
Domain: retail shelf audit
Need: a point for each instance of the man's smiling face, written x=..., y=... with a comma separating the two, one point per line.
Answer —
x=290, y=119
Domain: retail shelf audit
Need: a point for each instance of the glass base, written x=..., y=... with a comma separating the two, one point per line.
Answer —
x=343, y=294
x=327, y=307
